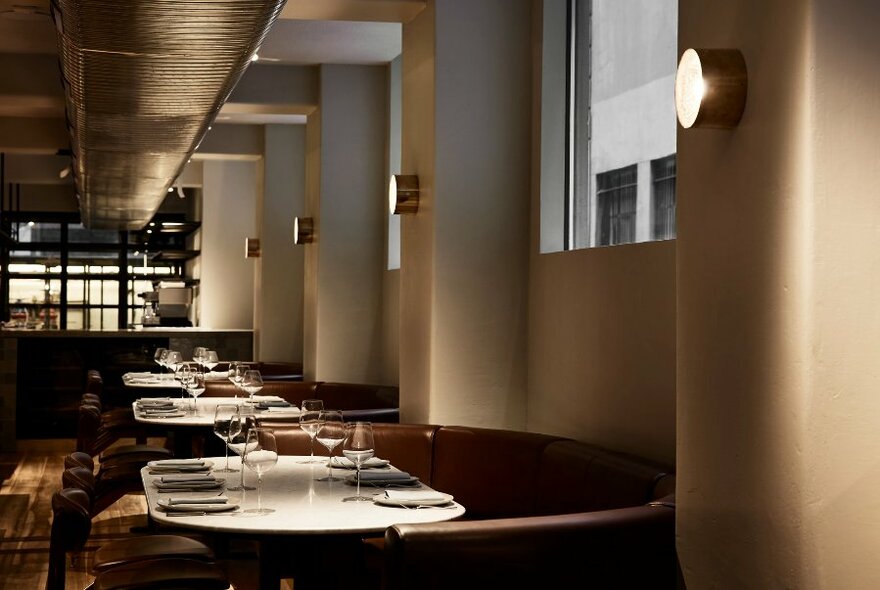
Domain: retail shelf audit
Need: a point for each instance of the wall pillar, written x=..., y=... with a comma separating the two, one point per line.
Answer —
x=464, y=260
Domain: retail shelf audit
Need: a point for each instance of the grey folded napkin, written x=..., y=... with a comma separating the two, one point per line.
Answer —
x=183, y=477
x=385, y=475
x=274, y=404
x=177, y=463
x=346, y=463
x=199, y=500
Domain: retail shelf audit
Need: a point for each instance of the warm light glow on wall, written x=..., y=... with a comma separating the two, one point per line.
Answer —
x=710, y=88
x=403, y=194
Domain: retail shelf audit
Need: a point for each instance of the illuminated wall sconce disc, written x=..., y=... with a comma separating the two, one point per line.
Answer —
x=710, y=88
x=403, y=194
x=303, y=230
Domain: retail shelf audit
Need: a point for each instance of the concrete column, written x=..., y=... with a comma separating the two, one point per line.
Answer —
x=778, y=256
x=344, y=266
x=464, y=261
x=280, y=290
x=228, y=217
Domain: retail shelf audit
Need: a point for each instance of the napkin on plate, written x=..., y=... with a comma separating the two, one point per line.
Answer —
x=185, y=477
x=345, y=463
x=199, y=500
x=421, y=496
x=385, y=476
x=178, y=463
x=274, y=403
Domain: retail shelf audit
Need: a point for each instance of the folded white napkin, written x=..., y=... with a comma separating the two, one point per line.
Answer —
x=181, y=477
x=281, y=410
x=216, y=375
x=384, y=475
x=199, y=500
x=136, y=375
x=416, y=496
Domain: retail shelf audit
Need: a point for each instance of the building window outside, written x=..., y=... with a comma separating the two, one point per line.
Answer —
x=616, y=200
x=608, y=114
x=663, y=198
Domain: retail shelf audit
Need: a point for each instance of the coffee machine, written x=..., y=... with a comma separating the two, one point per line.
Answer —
x=167, y=305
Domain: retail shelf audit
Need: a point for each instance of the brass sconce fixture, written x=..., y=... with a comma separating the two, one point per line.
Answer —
x=252, y=248
x=710, y=88
x=303, y=230
x=403, y=194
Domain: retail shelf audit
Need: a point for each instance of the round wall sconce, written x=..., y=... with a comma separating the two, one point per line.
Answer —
x=403, y=194
x=710, y=88
x=303, y=230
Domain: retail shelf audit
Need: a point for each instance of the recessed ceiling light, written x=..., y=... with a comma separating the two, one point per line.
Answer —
x=25, y=12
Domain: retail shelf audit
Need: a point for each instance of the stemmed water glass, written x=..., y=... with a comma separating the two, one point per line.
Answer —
x=252, y=383
x=157, y=356
x=331, y=434
x=358, y=448
x=210, y=359
x=239, y=442
x=262, y=455
x=198, y=354
x=226, y=425
x=236, y=374
x=196, y=387
x=310, y=421
x=184, y=375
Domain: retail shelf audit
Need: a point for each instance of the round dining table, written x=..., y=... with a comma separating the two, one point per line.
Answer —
x=307, y=514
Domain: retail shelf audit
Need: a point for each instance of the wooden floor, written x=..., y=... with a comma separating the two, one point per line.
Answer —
x=29, y=478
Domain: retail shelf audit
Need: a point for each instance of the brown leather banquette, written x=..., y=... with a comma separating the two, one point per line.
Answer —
x=541, y=509
x=358, y=401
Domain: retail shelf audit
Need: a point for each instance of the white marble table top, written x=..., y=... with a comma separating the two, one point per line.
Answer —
x=302, y=505
x=162, y=380
x=205, y=407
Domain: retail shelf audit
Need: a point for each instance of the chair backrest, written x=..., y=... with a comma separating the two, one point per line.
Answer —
x=79, y=478
x=87, y=428
x=79, y=459
x=71, y=525
x=357, y=396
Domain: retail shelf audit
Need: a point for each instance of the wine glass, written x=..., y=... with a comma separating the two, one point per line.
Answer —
x=163, y=359
x=330, y=434
x=226, y=425
x=174, y=360
x=239, y=442
x=158, y=356
x=196, y=387
x=210, y=359
x=198, y=354
x=262, y=455
x=310, y=421
x=357, y=448
x=183, y=374
x=236, y=373
x=252, y=382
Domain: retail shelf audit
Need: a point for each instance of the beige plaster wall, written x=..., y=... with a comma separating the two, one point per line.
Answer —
x=601, y=344
x=229, y=201
x=778, y=325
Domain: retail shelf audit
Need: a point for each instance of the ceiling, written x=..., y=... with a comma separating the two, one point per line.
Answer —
x=26, y=29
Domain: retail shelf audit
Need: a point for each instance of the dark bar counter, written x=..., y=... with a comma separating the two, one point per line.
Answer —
x=42, y=372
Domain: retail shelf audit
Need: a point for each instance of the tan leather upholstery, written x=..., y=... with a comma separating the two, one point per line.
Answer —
x=172, y=573
x=481, y=467
x=624, y=548
x=292, y=391
x=149, y=547
x=577, y=477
